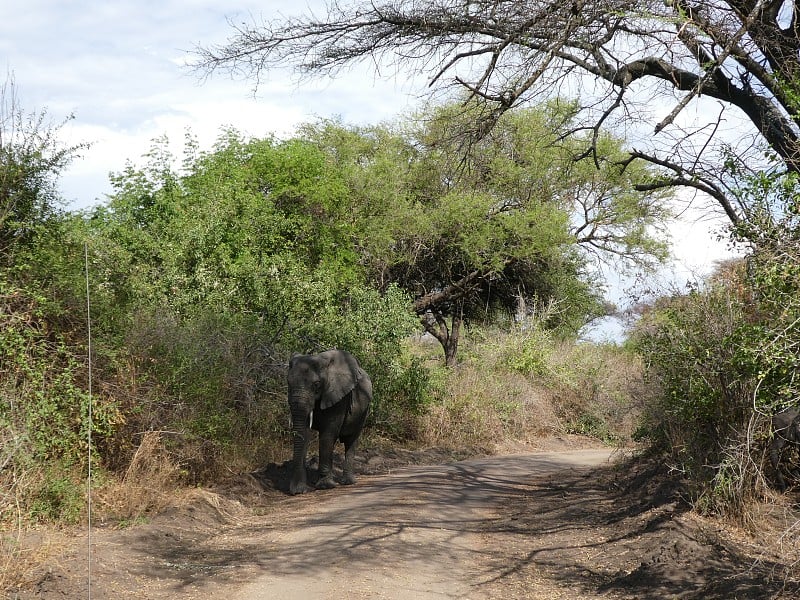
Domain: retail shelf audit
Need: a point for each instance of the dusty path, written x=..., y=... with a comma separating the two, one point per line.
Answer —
x=412, y=535
x=532, y=526
x=420, y=532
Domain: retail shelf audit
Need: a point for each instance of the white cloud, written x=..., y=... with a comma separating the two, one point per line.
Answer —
x=119, y=68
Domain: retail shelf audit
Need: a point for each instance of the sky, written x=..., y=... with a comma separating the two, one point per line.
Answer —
x=119, y=67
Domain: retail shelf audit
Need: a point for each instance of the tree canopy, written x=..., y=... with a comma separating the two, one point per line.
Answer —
x=645, y=61
x=284, y=229
x=512, y=220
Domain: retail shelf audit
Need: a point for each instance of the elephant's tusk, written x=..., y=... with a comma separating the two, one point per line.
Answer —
x=311, y=419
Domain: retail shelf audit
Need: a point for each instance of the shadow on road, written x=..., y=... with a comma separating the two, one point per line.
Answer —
x=610, y=533
x=484, y=528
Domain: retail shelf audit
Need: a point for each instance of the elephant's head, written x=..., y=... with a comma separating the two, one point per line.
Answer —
x=319, y=381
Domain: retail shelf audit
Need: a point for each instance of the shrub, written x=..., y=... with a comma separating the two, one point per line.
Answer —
x=528, y=352
x=44, y=411
x=692, y=346
x=216, y=382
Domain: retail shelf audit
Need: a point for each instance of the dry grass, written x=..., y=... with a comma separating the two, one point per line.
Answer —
x=523, y=386
x=22, y=553
x=481, y=409
x=24, y=548
x=598, y=388
x=148, y=485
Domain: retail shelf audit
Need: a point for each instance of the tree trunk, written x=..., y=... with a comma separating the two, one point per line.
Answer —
x=435, y=323
x=451, y=345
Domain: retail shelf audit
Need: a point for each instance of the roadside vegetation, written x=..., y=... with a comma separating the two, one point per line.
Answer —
x=723, y=357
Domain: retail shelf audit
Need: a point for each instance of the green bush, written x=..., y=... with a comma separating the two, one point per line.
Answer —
x=44, y=405
x=693, y=347
x=529, y=352
x=216, y=381
x=43, y=381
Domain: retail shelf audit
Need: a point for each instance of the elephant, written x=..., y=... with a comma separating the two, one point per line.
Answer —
x=785, y=432
x=331, y=393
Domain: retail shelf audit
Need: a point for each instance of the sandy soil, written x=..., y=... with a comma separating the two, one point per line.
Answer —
x=557, y=524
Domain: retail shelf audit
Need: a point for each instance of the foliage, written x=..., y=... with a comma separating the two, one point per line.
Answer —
x=709, y=415
x=529, y=352
x=31, y=159
x=687, y=344
x=723, y=355
x=771, y=333
x=250, y=227
x=213, y=382
x=514, y=219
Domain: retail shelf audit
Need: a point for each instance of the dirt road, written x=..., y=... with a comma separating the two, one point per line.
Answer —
x=413, y=535
x=538, y=526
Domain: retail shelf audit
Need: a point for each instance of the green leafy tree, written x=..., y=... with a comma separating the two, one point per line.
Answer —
x=234, y=231
x=510, y=221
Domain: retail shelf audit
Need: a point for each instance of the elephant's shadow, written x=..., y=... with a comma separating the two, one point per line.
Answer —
x=276, y=476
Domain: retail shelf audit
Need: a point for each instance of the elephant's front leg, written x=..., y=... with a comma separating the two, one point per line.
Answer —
x=298, y=483
x=326, y=443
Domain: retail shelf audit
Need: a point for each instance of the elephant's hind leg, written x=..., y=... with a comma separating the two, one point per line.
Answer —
x=326, y=443
x=350, y=445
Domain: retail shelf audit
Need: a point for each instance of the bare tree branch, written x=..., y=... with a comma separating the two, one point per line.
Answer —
x=744, y=53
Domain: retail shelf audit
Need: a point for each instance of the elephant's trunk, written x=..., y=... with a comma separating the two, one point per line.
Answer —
x=301, y=435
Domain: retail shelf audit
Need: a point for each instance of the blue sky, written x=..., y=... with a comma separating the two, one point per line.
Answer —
x=119, y=68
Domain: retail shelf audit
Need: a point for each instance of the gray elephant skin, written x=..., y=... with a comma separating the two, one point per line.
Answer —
x=330, y=393
x=785, y=432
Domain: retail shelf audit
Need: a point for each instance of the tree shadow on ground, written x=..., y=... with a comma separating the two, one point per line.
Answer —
x=626, y=532
x=616, y=532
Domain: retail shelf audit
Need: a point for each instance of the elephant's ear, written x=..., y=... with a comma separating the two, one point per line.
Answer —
x=342, y=375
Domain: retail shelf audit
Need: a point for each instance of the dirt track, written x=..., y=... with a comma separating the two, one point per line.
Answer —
x=523, y=526
x=415, y=534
